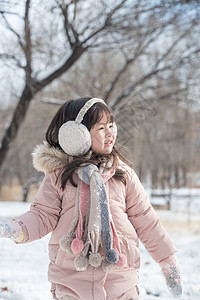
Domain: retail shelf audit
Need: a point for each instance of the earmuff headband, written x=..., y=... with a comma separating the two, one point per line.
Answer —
x=85, y=108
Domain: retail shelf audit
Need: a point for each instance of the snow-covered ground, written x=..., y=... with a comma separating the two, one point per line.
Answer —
x=23, y=268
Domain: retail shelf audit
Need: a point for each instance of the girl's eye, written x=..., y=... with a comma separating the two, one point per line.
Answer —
x=100, y=128
x=111, y=125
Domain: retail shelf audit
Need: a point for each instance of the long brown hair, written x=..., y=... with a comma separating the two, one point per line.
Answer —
x=68, y=112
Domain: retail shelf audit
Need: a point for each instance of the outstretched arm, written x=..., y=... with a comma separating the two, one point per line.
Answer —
x=152, y=234
x=44, y=211
x=42, y=217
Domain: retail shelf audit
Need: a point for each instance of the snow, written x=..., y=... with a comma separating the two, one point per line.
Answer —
x=23, y=268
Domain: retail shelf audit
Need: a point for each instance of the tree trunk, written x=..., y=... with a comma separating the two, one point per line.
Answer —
x=17, y=119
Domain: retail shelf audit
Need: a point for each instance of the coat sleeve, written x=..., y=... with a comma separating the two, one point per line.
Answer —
x=145, y=220
x=44, y=211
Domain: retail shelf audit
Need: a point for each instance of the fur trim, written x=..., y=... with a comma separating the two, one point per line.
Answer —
x=48, y=159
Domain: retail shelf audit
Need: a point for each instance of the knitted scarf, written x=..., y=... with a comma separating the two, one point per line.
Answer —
x=92, y=226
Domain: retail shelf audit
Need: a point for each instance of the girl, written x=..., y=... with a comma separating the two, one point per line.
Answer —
x=96, y=208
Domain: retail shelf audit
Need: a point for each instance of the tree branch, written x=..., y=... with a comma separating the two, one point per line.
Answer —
x=13, y=31
x=71, y=33
x=77, y=52
x=127, y=91
x=11, y=57
x=106, y=22
x=154, y=70
x=138, y=51
x=170, y=49
x=27, y=46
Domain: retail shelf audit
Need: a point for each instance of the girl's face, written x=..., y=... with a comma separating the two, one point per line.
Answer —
x=103, y=136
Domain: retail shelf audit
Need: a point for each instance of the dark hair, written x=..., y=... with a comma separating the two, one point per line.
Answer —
x=68, y=112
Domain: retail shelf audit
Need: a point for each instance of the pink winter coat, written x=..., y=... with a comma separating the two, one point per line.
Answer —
x=52, y=211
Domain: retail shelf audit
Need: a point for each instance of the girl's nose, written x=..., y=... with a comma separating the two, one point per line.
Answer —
x=109, y=131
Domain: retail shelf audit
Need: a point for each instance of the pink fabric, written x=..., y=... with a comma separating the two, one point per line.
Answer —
x=122, y=258
x=132, y=294
x=83, y=204
x=133, y=216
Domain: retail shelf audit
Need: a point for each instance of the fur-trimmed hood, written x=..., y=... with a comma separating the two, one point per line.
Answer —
x=48, y=159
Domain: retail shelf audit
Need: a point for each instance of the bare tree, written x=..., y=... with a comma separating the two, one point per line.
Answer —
x=65, y=30
x=79, y=42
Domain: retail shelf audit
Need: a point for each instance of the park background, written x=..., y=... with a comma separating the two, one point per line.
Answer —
x=142, y=58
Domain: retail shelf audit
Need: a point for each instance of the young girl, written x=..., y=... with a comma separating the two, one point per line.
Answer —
x=96, y=208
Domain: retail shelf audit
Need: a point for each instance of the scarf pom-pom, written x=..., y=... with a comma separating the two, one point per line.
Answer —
x=95, y=259
x=77, y=246
x=122, y=261
x=81, y=262
x=107, y=267
x=65, y=244
x=112, y=256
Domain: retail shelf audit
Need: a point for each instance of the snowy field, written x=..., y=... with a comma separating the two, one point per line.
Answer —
x=23, y=268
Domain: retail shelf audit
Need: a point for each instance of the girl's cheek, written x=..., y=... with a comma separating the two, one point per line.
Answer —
x=100, y=135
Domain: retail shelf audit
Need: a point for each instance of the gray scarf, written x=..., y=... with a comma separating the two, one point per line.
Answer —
x=92, y=226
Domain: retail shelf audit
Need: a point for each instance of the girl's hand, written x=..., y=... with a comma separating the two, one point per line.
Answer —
x=172, y=276
x=11, y=229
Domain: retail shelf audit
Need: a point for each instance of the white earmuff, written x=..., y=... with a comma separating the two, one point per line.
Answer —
x=74, y=138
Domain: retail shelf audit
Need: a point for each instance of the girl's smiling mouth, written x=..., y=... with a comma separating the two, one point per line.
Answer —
x=108, y=142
